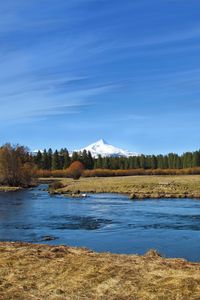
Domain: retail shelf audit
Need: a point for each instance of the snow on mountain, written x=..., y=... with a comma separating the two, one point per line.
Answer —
x=106, y=150
x=35, y=152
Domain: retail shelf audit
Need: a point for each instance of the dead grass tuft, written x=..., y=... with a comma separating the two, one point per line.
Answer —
x=30, y=271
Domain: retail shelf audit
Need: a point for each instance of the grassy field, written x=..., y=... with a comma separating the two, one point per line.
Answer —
x=64, y=273
x=136, y=186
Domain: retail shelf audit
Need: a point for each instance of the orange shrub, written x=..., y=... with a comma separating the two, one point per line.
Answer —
x=76, y=169
x=132, y=172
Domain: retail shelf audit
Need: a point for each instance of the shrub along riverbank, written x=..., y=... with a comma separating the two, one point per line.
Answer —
x=30, y=271
x=114, y=173
x=135, y=186
x=16, y=168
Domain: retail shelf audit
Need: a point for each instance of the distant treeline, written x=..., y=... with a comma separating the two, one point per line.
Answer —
x=19, y=167
x=59, y=160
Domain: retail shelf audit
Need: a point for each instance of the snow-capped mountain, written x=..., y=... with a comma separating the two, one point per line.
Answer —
x=35, y=152
x=106, y=150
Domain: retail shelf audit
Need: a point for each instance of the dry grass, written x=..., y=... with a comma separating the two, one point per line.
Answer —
x=59, y=273
x=137, y=186
x=9, y=188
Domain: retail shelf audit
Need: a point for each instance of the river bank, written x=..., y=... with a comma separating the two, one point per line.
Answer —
x=10, y=188
x=137, y=187
x=7, y=188
x=29, y=271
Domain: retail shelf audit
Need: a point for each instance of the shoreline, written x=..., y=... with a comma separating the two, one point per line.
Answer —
x=136, y=187
x=6, y=189
x=35, y=271
x=135, y=196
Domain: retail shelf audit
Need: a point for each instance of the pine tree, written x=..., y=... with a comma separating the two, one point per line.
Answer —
x=75, y=156
x=99, y=162
x=55, y=161
x=142, y=162
x=45, y=160
x=90, y=161
x=153, y=162
x=106, y=163
x=67, y=159
x=50, y=154
x=84, y=158
x=196, y=159
x=38, y=160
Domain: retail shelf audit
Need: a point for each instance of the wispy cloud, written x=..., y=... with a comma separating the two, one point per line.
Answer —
x=33, y=104
x=96, y=63
x=48, y=78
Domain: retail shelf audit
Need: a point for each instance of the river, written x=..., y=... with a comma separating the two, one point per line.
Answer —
x=102, y=222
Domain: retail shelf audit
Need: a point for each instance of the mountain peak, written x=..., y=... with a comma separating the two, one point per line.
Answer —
x=101, y=147
x=102, y=142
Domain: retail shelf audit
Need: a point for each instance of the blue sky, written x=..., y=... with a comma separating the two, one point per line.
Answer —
x=75, y=71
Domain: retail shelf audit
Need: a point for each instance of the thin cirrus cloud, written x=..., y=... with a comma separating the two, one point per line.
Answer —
x=46, y=88
x=97, y=64
x=43, y=104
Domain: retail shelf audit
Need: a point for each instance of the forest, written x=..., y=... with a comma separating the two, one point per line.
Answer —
x=59, y=160
x=19, y=167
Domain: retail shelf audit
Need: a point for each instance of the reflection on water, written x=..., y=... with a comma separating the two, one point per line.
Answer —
x=103, y=222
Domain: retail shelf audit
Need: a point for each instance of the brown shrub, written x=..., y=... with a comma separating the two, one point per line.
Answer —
x=109, y=173
x=76, y=169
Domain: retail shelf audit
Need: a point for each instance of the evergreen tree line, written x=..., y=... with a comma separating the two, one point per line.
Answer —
x=59, y=160
x=170, y=161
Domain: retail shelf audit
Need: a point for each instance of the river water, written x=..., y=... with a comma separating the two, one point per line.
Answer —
x=103, y=222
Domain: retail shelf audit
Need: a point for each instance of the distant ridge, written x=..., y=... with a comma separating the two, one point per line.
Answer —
x=101, y=147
